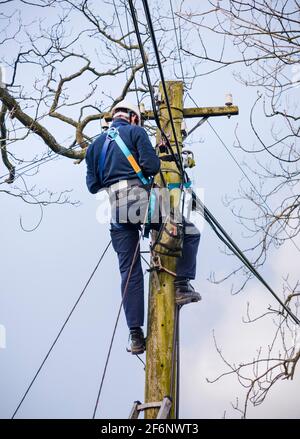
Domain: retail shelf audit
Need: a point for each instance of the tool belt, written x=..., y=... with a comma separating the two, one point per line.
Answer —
x=169, y=241
x=121, y=190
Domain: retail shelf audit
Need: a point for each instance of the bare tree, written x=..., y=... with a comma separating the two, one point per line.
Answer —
x=66, y=63
x=259, y=41
x=262, y=40
x=276, y=361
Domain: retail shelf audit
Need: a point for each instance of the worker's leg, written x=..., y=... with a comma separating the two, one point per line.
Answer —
x=186, y=265
x=125, y=238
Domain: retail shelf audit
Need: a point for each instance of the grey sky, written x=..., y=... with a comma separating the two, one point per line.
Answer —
x=42, y=274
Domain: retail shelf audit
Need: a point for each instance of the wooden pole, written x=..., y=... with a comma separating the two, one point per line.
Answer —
x=188, y=113
x=161, y=308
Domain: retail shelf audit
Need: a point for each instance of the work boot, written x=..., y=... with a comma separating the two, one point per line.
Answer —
x=185, y=292
x=138, y=344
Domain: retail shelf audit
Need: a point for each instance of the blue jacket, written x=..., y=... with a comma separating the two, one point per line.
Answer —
x=116, y=166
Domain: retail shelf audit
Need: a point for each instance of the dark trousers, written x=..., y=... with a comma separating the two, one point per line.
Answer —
x=125, y=238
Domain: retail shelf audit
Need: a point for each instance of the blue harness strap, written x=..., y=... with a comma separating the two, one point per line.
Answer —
x=113, y=134
x=171, y=186
x=103, y=157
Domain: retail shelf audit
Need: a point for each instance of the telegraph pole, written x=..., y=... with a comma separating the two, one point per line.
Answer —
x=160, y=376
x=161, y=308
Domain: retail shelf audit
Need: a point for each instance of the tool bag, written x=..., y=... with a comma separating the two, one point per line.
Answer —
x=169, y=241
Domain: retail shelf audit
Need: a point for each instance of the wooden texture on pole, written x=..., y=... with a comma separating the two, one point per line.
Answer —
x=161, y=304
x=188, y=113
x=161, y=307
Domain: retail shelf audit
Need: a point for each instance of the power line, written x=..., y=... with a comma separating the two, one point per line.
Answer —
x=174, y=362
x=130, y=55
x=144, y=59
x=244, y=173
x=60, y=331
x=223, y=235
x=130, y=58
x=145, y=62
x=155, y=46
x=119, y=311
x=115, y=327
x=46, y=159
x=177, y=41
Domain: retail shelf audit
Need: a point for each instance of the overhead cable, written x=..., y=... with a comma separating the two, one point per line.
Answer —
x=241, y=169
x=60, y=331
x=223, y=235
x=157, y=55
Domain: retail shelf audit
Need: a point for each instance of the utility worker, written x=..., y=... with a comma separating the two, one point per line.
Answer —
x=109, y=167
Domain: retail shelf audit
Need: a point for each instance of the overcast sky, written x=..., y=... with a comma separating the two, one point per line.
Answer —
x=43, y=273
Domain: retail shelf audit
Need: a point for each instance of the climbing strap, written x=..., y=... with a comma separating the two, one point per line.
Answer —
x=156, y=265
x=186, y=185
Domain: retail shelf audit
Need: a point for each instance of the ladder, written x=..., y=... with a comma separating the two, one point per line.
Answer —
x=164, y=408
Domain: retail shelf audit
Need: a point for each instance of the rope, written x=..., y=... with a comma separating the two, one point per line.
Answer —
x=60, y=331
x=115, y=328
x=119, y=312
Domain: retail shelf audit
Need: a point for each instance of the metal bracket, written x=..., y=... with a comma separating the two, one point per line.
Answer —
x=164, y=408
x=156, y=265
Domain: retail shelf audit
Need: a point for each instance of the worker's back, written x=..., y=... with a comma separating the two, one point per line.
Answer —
x=116, y=166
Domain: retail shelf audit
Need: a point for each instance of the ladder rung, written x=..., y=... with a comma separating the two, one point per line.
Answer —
x=149, y=405
x=164, y=408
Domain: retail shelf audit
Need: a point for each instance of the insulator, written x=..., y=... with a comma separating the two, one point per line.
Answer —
x=228, y=99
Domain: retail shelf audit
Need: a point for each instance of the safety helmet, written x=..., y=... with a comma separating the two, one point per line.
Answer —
x=125, y=105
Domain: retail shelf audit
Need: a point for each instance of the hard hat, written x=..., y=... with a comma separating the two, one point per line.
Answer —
x=125, y=105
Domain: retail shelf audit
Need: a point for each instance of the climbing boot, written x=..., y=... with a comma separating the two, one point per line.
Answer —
x=138, y=345
x=185, y=292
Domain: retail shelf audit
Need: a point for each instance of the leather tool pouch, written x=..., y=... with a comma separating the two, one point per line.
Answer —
x=169, y=241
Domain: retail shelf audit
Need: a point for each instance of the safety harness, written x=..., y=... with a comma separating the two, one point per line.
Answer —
x=113, y=135
x=170, y=237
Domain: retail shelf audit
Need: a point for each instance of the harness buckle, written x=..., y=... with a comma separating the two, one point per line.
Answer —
x=112, y=133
